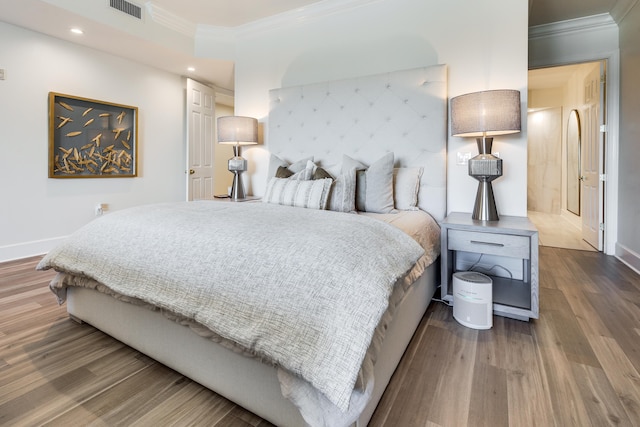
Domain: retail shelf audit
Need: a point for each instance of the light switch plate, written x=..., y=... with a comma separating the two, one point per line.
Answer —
x=462, y=158
x=2, y=74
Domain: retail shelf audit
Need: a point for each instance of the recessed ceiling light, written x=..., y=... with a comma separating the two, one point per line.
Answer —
x=77, y=31
x=190, y=69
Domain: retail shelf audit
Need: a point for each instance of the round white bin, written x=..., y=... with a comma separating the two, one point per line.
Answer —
x=473, y=299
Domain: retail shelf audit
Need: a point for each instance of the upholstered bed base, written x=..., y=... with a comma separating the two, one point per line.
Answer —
x=246, y=381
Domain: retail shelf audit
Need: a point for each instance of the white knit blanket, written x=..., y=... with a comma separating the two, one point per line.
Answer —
x=301, y=288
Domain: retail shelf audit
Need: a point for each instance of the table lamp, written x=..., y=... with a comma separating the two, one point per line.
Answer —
x=237, y=131
x=484, y=115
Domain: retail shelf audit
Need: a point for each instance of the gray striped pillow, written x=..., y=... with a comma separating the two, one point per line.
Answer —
x=303, y=194
x=342, y=197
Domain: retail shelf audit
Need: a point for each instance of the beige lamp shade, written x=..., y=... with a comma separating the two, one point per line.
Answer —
x=237, y=130
x=487, y=113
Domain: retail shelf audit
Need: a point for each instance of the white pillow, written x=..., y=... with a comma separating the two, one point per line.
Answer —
x=374, y=184
x=311, y=194
x=275, y=162
x=406, y=184
x=306, y=173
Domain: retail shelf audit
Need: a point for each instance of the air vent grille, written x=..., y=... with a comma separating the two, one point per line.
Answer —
x=127, y=7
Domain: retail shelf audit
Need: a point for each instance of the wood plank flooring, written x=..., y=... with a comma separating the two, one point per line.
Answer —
x=578, y=365
x=557, y=231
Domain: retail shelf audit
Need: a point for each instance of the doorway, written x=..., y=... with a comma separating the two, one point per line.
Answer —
x=565, y=152
x=200, y=140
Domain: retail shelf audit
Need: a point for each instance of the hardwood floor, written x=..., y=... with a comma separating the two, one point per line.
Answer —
x=558, y=231
x=578, y=365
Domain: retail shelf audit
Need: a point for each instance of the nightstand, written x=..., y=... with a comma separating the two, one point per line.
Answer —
x=509, y=238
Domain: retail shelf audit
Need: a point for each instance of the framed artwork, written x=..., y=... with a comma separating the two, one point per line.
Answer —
x=91, y=139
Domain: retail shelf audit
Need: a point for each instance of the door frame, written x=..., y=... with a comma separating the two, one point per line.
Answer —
x=611, y=140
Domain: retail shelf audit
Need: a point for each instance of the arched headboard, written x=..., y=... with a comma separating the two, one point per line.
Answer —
x=403, y=111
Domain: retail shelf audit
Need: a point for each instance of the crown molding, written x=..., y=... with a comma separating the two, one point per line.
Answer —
x=170, y=20
x=621, y=9
x=572, y=26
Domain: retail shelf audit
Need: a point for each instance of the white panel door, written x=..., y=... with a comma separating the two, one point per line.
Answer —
x=592, y=159
x=200, y=140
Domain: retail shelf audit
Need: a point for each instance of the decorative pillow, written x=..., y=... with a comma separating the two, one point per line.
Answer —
x=342, y=197
x=283, y=172
x=406, y=184
x=320, y=173
x=306, y=173
x=275, y=162
x=374, y=184
x=311, y=194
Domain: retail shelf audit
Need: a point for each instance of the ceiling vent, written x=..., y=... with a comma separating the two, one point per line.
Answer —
x=127, y=7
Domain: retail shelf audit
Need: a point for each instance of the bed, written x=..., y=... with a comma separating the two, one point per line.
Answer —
x=351, y=287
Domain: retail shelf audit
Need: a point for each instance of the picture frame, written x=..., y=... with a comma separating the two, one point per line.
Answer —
x=91, y=139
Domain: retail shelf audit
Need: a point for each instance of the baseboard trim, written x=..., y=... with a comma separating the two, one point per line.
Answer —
x=629, y=257
x=28, y=249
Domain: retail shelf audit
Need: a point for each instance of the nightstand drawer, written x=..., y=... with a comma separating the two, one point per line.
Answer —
x=489, y=243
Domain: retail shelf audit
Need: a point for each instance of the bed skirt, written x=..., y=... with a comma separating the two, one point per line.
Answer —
x=245, y=381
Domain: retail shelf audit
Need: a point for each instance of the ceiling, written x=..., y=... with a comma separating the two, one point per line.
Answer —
x=166, y=35
x=229, y=13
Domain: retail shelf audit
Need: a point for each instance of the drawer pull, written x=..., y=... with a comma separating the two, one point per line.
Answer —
x=500, y=245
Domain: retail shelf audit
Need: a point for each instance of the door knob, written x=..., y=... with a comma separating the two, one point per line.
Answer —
x=191, y=171
x=583, y=178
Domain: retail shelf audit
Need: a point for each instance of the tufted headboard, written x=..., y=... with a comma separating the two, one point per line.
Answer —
x=403, y=111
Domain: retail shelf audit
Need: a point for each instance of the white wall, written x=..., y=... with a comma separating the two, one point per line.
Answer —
x=388, y=35
x=628, y=247
x=544, y=191
x=35, y=211
x=376, y=36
